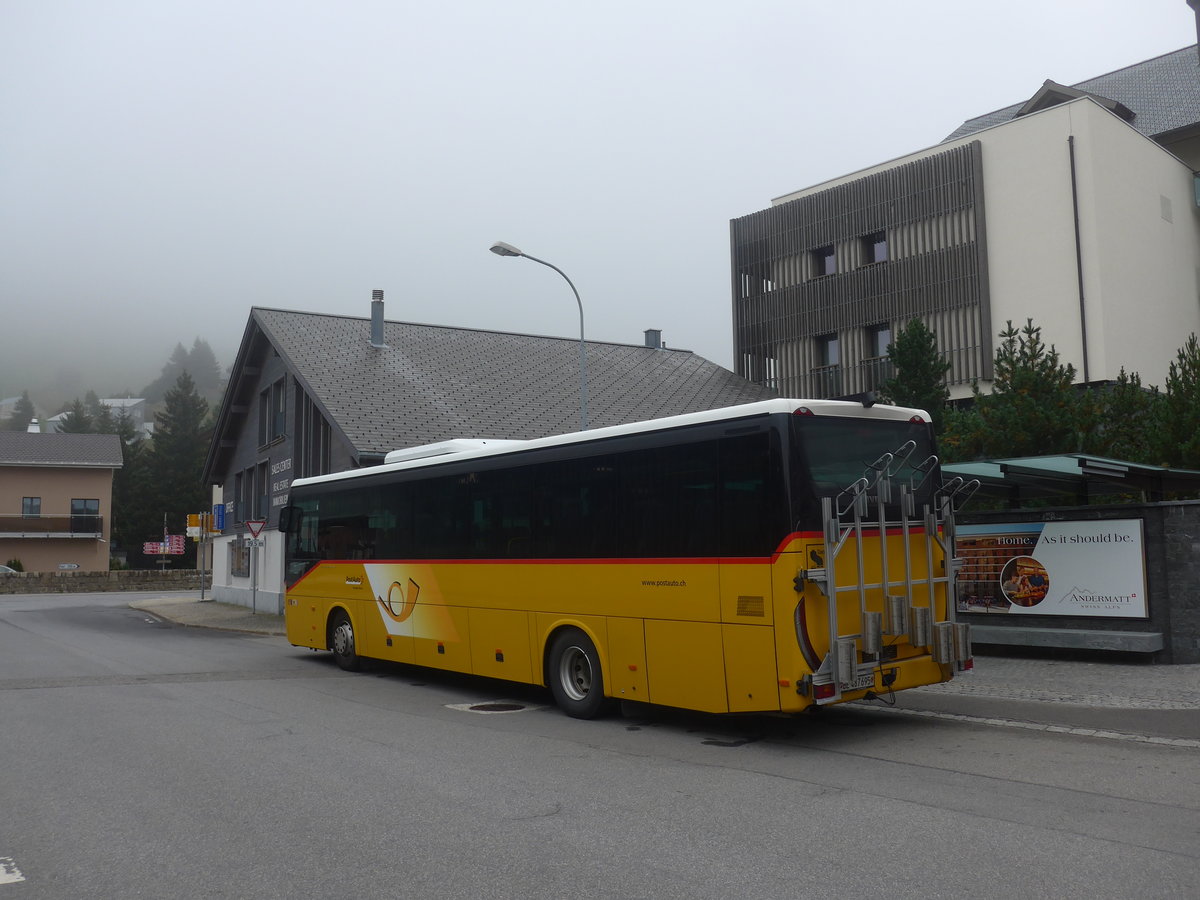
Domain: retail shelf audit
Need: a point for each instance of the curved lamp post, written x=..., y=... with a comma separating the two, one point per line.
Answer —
x=502, y=249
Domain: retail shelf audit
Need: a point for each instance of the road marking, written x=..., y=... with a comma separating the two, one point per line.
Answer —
x=9, y=873
x=1104, y=734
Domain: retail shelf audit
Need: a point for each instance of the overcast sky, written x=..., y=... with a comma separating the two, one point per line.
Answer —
x=167, y=164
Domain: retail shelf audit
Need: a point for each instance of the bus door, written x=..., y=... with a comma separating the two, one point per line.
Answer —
x=884, y=573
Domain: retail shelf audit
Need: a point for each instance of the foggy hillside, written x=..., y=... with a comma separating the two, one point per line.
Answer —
x=56, y=376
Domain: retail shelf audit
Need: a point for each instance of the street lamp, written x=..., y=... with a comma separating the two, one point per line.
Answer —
x=502, y=249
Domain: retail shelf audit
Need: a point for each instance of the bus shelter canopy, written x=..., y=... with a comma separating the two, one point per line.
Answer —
x=1075, y=477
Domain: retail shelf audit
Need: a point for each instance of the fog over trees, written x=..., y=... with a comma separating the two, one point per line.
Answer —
x=159, y=482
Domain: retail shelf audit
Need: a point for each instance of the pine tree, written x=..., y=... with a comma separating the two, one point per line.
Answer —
x=920, y=372
x=202, y=365
x=135, y=518
x=23, y=413
x=77, y=420
x=1118, y=414
x=174, y=367
x=104, y=421
x=1176, y=427
x=180, y=446
x=101, y=415
x=92, y=404
x=962, y=435
x=1033, y=409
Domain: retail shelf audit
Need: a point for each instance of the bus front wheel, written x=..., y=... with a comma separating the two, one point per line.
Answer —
x=341, y=642
x=574, y=675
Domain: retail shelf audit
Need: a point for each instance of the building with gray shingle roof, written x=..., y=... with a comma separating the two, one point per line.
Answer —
x=309, y=394
x=1159, y=97
x=56, y=498
x=21, y=448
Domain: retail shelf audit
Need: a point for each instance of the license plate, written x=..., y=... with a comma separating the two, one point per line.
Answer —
x=862, y=682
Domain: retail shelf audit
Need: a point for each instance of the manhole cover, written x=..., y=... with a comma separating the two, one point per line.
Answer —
x=493, y=706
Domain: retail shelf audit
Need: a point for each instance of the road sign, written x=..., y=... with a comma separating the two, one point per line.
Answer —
x=255, y=542
x=172, y=546
x=255, y=527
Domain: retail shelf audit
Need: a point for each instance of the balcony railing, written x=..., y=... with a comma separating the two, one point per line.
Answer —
x=875, y=371
x=18, y=526
x=825, y=381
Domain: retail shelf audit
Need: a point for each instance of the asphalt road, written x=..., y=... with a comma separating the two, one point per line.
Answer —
x=146, y=759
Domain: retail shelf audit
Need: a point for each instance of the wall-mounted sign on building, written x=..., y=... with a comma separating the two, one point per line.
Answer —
x=1092, y=568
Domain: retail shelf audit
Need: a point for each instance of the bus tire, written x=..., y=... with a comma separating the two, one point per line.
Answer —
x=574, y=674
x=341, y=642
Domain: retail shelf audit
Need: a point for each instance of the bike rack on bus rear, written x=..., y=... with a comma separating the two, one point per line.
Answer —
x=854, y=657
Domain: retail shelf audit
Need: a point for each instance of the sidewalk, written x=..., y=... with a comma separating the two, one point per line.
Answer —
x=211, y=614
x=1101, y=685
x=1104, y=685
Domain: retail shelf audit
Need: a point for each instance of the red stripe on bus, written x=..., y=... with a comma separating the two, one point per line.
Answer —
x=794, y=537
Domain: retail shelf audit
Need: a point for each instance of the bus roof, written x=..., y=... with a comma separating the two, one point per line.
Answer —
x=429, y=455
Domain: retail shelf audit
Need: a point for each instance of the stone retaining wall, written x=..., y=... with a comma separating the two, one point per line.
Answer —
x=77, y=581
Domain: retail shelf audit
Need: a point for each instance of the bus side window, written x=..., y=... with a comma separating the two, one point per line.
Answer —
x=669, y=501
x=501, y=511
x=441, y=517
x=575, y=509
x=753, y=516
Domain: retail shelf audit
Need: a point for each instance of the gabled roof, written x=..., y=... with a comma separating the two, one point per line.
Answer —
x=433, y=383
x=21, y=448
x=1052, y=93
x=1163, y=95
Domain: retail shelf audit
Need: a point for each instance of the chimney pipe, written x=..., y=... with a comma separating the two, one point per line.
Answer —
x=33, y=427
x=654, y=338
x=377, y=320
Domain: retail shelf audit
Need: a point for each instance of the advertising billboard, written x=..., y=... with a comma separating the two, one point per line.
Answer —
x=1093, y=568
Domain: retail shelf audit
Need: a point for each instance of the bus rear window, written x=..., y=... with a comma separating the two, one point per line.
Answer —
x=830, y=453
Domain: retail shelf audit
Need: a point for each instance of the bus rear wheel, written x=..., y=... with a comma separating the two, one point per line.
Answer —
x=341, y=642
x=576, y=680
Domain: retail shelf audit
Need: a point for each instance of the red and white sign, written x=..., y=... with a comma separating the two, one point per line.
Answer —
x=172, y=545
x=255, y=527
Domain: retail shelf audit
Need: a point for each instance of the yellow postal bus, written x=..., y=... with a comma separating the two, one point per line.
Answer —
x=760, y=558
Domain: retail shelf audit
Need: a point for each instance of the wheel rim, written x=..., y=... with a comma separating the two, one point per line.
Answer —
x=575, y=673
x=343, y=639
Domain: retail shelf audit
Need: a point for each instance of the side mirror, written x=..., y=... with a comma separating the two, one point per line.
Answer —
x=289, y=519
